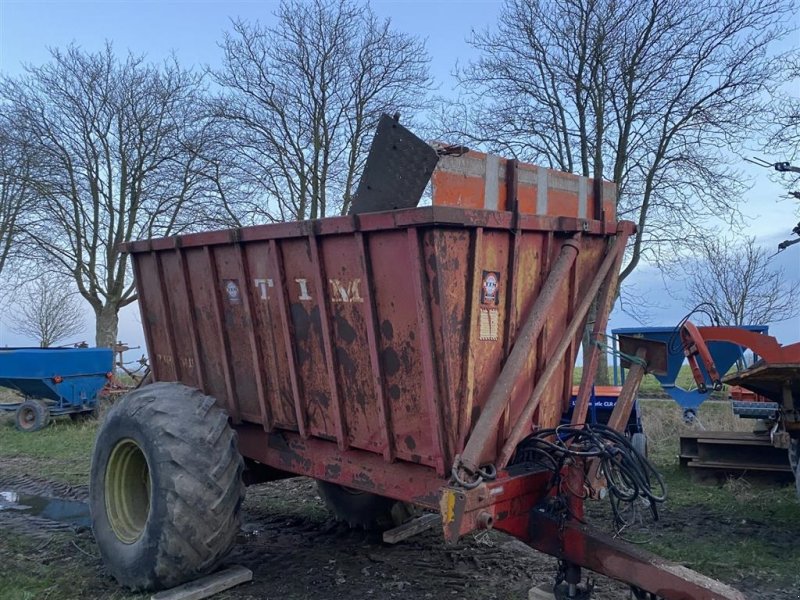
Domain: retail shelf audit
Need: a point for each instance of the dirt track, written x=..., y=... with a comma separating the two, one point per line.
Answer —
x=297, y=551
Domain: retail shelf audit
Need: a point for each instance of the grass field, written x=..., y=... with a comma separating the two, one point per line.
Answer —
x=732, y=531
x=650, y=388
x=62, y=451
x=719, y=545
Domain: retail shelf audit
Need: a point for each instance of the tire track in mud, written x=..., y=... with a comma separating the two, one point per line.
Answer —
x=305, y=554
x=35, y=486
x=297, y=552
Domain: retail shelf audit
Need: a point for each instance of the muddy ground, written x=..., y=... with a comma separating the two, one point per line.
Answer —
x=297, y=551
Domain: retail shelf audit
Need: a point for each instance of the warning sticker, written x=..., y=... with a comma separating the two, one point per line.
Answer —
x=490, y=292
x=232, y=291
x=489, y=321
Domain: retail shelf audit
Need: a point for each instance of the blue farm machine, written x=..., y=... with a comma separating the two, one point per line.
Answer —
x=53, y=382
x=765, y=386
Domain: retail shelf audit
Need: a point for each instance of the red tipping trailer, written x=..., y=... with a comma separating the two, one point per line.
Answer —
x=381, y=335
x=396, y=356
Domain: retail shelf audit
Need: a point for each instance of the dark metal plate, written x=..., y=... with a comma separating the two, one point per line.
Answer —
x=398, y=168
x=656, y=353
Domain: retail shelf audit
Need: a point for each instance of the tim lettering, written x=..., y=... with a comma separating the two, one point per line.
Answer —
x=341, y=290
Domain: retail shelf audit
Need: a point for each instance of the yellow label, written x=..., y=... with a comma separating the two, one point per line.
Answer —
x=448, y=506
x=489, y=321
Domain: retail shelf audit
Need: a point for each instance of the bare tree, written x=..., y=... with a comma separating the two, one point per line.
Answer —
x=16, y=193
x=301, y=100
x=784, y=125
x=48, y=310
x=117, y=142
x=649, y=94
x=738, y=286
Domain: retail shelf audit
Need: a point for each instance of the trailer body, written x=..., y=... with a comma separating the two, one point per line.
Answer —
x=407, y=353
x=377, y=336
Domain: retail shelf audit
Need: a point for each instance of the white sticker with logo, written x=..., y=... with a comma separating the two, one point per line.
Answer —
x=232, y=291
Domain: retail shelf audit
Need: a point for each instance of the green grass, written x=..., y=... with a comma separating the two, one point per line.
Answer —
x=735, y=530
x=52, y=568
x=649, y=386
x=61, y=451
x=745, y=530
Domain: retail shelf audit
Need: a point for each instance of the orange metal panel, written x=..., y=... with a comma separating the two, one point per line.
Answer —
x=465, y=181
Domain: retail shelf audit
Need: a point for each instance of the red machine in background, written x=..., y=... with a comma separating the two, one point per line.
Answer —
x=775, y=377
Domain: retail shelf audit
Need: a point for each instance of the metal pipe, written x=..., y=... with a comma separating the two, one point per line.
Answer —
x=518, y=358
x=554, y=359
x=605, y=301
x=627, y=396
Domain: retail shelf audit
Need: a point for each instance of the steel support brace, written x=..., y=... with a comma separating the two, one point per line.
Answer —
x=694, y=345
x=523, y=423
x=514, y=367
x=582, y=546
x=605, y=301
x=627, y=395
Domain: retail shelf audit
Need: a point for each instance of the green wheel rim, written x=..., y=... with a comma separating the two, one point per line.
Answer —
x=127, y=490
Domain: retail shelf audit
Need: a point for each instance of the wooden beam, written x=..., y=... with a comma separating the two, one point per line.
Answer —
x=207, y=586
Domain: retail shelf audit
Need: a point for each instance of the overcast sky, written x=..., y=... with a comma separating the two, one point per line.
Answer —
x=192, y=29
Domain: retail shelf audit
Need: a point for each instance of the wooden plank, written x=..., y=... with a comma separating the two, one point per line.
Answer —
x=207, y=586
x=724, y=435
x=412, y=528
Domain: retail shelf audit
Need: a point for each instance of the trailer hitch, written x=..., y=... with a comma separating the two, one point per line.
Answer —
x=648, y=574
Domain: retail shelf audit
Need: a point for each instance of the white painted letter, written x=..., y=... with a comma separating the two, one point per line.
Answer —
x=345, y=292
x=303, y=283
x=263, y=285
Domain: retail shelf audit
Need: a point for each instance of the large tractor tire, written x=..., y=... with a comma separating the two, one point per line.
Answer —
x=362, y=509
x=166, y=487
x=32, y=415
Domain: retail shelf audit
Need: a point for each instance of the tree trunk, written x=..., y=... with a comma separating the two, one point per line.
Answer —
x=106, y=326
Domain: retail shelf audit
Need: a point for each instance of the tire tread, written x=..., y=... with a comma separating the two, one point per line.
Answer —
x=201, y=480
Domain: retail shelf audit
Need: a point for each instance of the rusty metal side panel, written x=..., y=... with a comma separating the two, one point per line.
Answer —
x=206, y=319
x=399, y=346
x=349, y=301
x=179, y=319
x=552, y=332
x=257, y=295
x=557, y=392
x=528, y=274
x=237, y=329
x=305, y=298
x=449, y=266
x=387, y=340
x=271, y=318
x=488, y=332
x=155, y=318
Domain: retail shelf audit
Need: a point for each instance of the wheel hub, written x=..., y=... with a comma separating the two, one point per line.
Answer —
x=127, y=490
x=27, y=417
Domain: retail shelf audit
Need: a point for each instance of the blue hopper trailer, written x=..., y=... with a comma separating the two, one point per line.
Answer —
x=604, y=398
x=53, y=382
x=724, y=353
